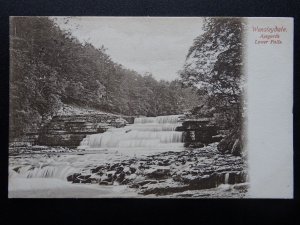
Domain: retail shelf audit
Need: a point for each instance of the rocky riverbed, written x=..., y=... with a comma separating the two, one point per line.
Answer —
x=172, y=172
x=189, y=173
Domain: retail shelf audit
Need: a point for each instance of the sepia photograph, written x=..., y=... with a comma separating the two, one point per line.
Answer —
x=144, y=107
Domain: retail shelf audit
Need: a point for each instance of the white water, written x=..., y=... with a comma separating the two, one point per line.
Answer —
x=49, y=171
x=43, y=166
x=226, y=178
x=149, y=135
x=146, y=132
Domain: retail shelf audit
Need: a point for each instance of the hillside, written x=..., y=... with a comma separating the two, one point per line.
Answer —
x=49, y=68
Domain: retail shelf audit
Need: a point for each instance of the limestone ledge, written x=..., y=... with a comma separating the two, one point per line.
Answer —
x=69, y=130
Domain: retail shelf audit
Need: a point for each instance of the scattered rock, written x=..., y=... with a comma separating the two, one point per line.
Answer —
x=120, y=177
x=73, y=178
x=132, y=169
x=119, y=169
x=172, y=172
x=158, y=173
x=97, y=169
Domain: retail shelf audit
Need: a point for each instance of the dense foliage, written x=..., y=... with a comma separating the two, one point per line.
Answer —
x=215, y=65
x=50, y=68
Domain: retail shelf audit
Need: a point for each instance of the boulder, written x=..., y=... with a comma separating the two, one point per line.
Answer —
x=132, y=169
x=79, y=178
x=120, y=177
x=158, y=173
x=97, y=169
x=165, y=162
x=73, y=178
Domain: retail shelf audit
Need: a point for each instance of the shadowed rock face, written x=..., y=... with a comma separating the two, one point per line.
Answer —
x=69, y=130
x=198, y=132
x=233, y=143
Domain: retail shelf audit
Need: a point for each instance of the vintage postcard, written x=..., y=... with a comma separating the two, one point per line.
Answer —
x=151, y=107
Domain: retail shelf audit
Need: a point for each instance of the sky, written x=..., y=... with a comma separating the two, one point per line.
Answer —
x=157, y=45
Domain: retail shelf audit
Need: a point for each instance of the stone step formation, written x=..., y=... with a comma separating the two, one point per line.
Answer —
x=70, y=130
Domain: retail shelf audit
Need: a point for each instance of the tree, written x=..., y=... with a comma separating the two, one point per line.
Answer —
x=215, y=65
x=50, y=68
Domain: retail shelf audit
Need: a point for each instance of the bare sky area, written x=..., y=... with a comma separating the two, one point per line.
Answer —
x=157, y=45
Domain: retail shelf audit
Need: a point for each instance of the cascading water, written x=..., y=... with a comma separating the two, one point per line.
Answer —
x=226, y=178
x=45, y=166
x=146, y=132
x=146, y=136
x=49, y=171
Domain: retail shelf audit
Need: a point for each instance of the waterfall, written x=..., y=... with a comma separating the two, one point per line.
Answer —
x=226, y=178
x=146, y=132
x=173, y=119
x=147, y=135
x=49, y=171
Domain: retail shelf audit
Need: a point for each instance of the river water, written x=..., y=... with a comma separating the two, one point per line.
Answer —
x=148, y=135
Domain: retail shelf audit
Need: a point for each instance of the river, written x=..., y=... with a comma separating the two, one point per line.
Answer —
x=30, y=174
x=143, y=159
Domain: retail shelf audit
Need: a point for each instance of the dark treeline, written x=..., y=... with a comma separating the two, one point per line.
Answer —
x=50, y=68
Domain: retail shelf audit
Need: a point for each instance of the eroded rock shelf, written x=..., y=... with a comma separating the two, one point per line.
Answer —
x=170, y=172
x=69, y=130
